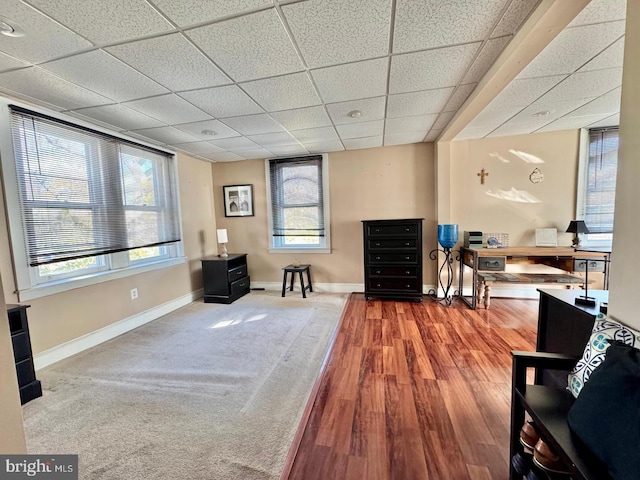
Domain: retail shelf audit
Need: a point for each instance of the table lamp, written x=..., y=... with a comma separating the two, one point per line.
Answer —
x=223, y=239
x=577, y=227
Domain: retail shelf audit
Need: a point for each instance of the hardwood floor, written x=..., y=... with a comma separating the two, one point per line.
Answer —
x=414, y=391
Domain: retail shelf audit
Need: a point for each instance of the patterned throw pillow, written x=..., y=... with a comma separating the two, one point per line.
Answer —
x=605, y=330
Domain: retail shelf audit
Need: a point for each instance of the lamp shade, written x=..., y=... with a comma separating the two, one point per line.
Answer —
x=222, y=235
x=577, y=226
x=448, y=235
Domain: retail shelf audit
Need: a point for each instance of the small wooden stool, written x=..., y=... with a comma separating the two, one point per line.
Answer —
x=293, y=270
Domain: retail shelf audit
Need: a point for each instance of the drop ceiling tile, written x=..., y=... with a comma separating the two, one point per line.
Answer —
x=254, y=124
x=276, y=139
x=487, y=56
x=435, y=23
x=283, y=93
x=40, y=84
x=172, y=61
x=421, y=123
x=473, y=132
x=509, y=130
x=439, y=68
x=196, y=128
x=335, y=31
x=235, y=143
x=371, y=109
x=459, y=96
x=525, y=91
x=443, y=120
x=358, y=143
x=358, y=130
x=288, y=150
x=404, y=138
x=243, y=48
x=598, y=11
x=612, y=121
x=169, y=109
x=144, y=138
x=168, y=135
x=198, y=147
x=570, y=123
x=417, y=103
x=530, y=115
x=104, y=74
x=7, y=62
x=323, y=147
x=586, y=84
x=494, y=116
x=51, y=41
x=106, y=22
x=191, y=12
x=572, y=48
x=252, y=153
x=221, y=102
x=514, y=17
x=121, y=117
x=222, y=157
x=316, y=135
x=93, y=122
x=607, y=104
x=300, y=118
x=433, y=134
x=611, y=57
x=352, y=81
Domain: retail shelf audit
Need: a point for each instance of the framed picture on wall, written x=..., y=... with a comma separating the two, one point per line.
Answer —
x=238, y=200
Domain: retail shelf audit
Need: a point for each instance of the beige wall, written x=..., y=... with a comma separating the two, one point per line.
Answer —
x=56, y=319
x=377, y=183
x=625, y=261
x=492, y=207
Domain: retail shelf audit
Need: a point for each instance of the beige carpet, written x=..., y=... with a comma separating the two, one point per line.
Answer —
x=206, y=392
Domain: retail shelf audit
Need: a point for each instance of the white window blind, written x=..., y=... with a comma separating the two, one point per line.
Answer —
x=85, y=193
x=602, y=166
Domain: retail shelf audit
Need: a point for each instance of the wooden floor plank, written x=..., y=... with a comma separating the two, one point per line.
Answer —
x=415, y=391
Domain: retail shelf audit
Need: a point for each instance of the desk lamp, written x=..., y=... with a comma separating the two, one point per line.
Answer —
x=223, y=239
x=577, y=227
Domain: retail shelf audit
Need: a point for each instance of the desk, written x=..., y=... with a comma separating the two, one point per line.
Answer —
x=496, y=259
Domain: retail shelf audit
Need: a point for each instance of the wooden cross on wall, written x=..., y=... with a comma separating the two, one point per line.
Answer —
x=482, y=174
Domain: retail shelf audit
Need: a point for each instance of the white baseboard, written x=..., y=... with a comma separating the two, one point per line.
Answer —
x=77, y=345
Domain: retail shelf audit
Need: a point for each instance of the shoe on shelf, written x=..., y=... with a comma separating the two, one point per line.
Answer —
x=529, y=435
x=521, y=463
x=548, y=460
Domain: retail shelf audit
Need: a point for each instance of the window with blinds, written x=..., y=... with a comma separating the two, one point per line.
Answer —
x=84, y=194
x=297, y=202
x=600, y=182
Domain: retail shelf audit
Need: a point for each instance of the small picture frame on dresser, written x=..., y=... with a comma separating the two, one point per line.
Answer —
x=238, y=200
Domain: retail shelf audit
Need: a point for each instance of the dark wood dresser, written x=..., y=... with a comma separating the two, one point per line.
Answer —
x=225, y=279
x=28, y=385
x=393, y=259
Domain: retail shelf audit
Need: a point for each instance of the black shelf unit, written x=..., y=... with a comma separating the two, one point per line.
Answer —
x=225, y=279
x=28, y=385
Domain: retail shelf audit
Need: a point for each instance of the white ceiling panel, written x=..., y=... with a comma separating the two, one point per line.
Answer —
x=335, y=31
x=487, y=56
x=494, y=116
x=525, y=91
x=316, y=135
x=192, y=12
x=542, y=111
x=7, y=62
x=221, y=102
x=459, y=96
x=435, y=23
x=169, y=135
x=300, y=118
x=253, y=153
x=513, y=18
x=37, y=83
x=198, y=147
x=268, y=140
x=322, y=147
x=572, y=48
x=283, y=93
x=586, y=85
x=358, y=143
x=105, y=75
x=613, y=56
x=370, y=109
x=598, y=11
x=106, y=22
x=572, y=122
x=421, y=123
x=119, y=116
x=288, y=150
x=254, y=124
x=472, y=132
x=443, y=120
x=235, y=143
x=243, y=48
x=358, y=130
x=612, y=121
x=431, y=69
x=417, y=103
x=219, y=129
x=172, y=61
x=44, y=39
x=503, y=131
x=222, y=157
x=607, y=104
x=352, y=81
x=403, y=138
x=170, y=109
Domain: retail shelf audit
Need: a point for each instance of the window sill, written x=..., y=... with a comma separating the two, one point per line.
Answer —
x=299, y=250
x=60, y=286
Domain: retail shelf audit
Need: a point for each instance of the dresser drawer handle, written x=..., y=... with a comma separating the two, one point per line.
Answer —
x=407, y=244
x=378, y=271
x=408, y=272
x=377, y=230
x=377, y=258
x=377, y=244
x=378, y=285
x=239, y=273
x=408, y=286
x=242, y=284
x=407, y=258
x=406, y=229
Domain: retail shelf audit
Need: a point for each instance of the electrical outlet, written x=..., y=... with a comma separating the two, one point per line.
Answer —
x=134, y=293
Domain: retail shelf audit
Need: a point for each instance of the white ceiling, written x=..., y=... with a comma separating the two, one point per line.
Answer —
x=279, y=77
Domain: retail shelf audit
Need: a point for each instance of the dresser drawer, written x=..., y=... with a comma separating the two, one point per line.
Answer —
x=384, y=258
x=25, y=371
x=397, y=284
x=393, y=271
x=21, y=346
x=393, y=243
x=240, y=286
x=407, y=229
x=237, y=273
x=495, y=264
x=580, y=265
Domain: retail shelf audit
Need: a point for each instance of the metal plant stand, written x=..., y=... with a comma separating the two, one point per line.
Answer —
x=449, y=257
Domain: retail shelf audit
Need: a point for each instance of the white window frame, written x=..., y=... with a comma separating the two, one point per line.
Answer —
x=325, y=245
x=29, y=283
